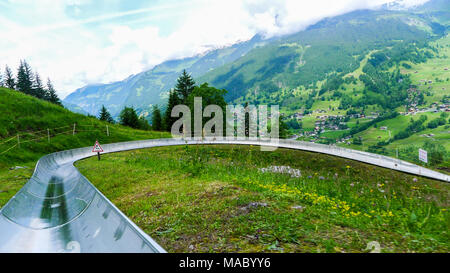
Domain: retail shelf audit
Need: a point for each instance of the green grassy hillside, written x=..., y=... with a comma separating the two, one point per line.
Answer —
x=436, y=70
x=30, y=118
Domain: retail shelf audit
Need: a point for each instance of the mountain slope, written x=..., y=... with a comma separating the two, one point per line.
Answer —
x=24, y=120
x=151, y=87
x=262, y=70
x=334, y=45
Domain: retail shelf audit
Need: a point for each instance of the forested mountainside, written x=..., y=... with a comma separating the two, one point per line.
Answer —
x=270, y=70
x=334, y=46
x=152, y=87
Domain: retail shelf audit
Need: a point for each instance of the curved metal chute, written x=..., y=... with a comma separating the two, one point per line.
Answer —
x=59, y=210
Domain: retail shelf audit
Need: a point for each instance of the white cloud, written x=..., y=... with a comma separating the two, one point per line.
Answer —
x=104, y=48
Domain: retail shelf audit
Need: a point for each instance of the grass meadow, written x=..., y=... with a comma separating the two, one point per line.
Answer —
x=216, y=199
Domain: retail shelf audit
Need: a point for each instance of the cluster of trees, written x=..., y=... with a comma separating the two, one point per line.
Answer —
x=294, y=124
x=382, y=87
x=184, y=93
x=387, y=89
x=128, y=117
x=413, y=127
x=438, y=122
x=30, y=83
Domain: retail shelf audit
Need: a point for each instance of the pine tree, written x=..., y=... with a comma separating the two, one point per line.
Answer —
x=20, y=77
x=38, y=88
x=1, y=79
x=128, y=117
x=174, y=100
x=184, y=87
x=25, y=78
x=156, y=119
x=105, y=115
x=51, y=95
x=9, y=78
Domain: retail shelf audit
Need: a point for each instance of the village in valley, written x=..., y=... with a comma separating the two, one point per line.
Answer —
x=331, y=128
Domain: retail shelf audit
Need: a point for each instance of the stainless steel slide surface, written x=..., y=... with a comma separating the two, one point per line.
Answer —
x=59, y=210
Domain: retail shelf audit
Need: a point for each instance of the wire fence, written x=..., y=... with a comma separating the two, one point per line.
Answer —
x=21, y=138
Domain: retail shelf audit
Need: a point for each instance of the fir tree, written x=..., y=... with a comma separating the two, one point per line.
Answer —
x=174, y=100
x=38, y=88
x=156, y=119
x=25, y=78
x=185, y=86
x=51, y=95
x=105, y=115
x=9, y=79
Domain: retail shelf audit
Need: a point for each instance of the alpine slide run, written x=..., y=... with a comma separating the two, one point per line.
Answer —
x=59, y=210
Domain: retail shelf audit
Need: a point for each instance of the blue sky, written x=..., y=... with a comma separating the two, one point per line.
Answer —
x=80, y=42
